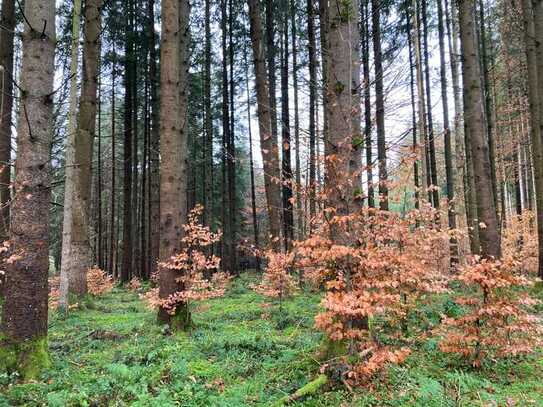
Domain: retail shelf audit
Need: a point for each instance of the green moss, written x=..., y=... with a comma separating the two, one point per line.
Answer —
x=27, y=358
x=309, y=389
x=332, y=349
x=182, y=320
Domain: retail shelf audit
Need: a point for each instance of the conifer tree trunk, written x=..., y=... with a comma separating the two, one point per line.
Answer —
x=294, y=34
x=154, y=145
x=459, y=144
x=379, y=105
x=129, y=78
x=270, y=57
x=208, y=123
x=312, y=51
x=367, y=99
x=99, y=183
x=251, y=161
x=77, y=253
x=487, y=100
x=447, y=134
x=342, y=104
x=6, y=102
x=286, y=174
x=69, y=277
x=232, y=199
x=268, y=143
x=23, y=330
x=173, y=137
x=534, y=99
x=422, y=129
x=475, y=126
x=226, y=140
x=433, y=195
x=413, y=107
x=113, y=235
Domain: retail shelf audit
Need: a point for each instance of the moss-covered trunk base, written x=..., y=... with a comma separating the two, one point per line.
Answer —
x=180, y=321
x=28, y=358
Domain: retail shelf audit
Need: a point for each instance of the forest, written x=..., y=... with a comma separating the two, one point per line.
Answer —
x=271, y=203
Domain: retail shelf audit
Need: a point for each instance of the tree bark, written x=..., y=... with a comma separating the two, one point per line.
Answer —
x=112, y=266
x=312, y=51
x=251, y=162
x=459, y=144
x=342, y=104
x=154, y=146
x=173, y=141
x=6, y=109
x=268, y=143
x=23, y=334
x=77, y=252
x=422, y=129
x=533, y=33
x=447, y=135
x=208, y=123
x=286, y=173
x=367, y=99
x=433, y=195
x=379, y=105
x=129, y=78
x=295, y=67
x=474, y=116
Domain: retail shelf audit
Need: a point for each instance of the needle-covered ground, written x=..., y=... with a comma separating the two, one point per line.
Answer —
x=243, y=351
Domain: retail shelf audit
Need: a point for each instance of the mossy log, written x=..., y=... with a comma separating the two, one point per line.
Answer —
x=307, y=390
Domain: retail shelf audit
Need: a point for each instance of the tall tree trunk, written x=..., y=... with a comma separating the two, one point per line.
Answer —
x=144, y=256
x=422, y=129
x=475, y=125
x=434, y=193
x=413, y=107
x=294, y=33
x=367, y=99
x=113, y=238
x=487, y=100
x=447, y=134
x=226, y=139
x=286, y=175
x=77, y=254
x=459, y=144
x=312, y=50
x=173, y=140
x=154, y=145
x=535, y=99
x=23, y=330
x=208, y=123
x=379, y=105
x=71, y=280
x=268, y=143
x=232, y=197
x=270, y=57
x=129, y=77
x=342, y=104
x=99, y=182
x=6, y=109
x=251, y=161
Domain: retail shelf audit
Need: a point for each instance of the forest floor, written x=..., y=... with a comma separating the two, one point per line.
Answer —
x=243, y=351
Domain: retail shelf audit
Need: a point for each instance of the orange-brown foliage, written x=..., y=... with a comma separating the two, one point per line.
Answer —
x=192, y=265
x=497, y=322
x=277, y=282
x=372, y=264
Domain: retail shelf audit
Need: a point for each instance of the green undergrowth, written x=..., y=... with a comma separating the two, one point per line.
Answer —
x=244, y=352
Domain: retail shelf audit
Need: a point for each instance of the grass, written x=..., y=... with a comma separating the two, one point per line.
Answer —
x=243, y=352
